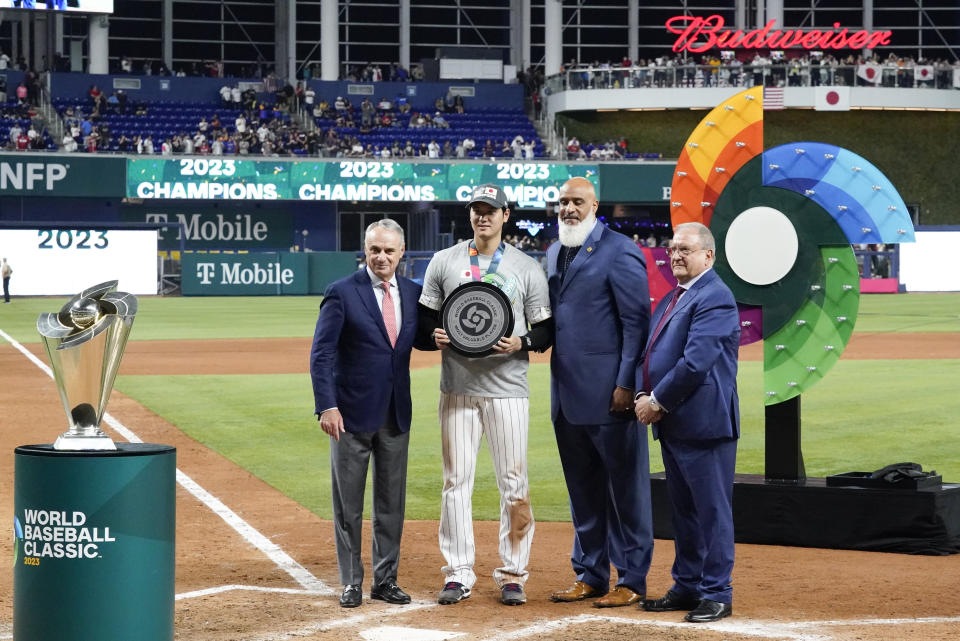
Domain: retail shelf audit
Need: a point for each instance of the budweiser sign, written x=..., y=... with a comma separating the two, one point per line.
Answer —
x=697, y=35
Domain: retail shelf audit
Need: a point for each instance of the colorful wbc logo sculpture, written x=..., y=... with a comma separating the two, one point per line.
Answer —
x=784, y=220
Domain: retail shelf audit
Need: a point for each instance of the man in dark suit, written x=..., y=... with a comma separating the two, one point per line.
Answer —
x=601, y=307
x=688, y=379
x=360, y=366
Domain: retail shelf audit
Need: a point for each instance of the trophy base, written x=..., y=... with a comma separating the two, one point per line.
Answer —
x=69, y=441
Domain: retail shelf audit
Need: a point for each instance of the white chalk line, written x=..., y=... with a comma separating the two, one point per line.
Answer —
x=791, y=631
x=282, y=560
x=220, y=589
x=323, y=626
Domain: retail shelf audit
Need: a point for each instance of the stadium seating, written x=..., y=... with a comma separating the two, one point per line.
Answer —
x=480, y=125
x=11, y=113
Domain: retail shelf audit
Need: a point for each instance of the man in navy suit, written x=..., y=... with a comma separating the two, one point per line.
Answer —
x=601, y=307
x=688, y=379
x=360, y=366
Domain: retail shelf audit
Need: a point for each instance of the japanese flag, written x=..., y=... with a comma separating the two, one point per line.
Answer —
x=869, y=72
x=956, y=78
x=832, y=99
x=924, y=73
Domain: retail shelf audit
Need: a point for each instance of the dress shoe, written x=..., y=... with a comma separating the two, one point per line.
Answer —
x=351, y=597
x=390, y=592
x=669, y=602
x=578, y=592
x=618, y=597
x=709, y=611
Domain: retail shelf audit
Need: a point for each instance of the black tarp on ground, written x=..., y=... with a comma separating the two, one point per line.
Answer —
x=925, y=521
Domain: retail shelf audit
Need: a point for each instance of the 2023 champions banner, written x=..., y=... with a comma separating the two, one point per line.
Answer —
x=532, y=184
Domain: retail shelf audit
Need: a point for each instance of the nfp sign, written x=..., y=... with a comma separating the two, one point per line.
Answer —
x=58, y=175
x=697, y=35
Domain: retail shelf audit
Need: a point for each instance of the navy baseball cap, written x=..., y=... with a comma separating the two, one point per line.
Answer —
x=490, y=194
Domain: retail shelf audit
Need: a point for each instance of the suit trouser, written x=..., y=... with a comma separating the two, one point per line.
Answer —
x=607, y=470
x=464, y=420
x=700, y=486
x=349, y=460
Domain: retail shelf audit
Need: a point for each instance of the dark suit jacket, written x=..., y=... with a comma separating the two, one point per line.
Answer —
x=693, y=363
x=352, y=364
x=601, y=317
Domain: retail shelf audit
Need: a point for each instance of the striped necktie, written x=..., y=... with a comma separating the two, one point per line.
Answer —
x=653, y=338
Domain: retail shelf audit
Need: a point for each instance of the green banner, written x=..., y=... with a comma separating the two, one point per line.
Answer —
x=262, y=273
x=61, y=175
x=527, y=184
x=203, y=227
x=636, y=183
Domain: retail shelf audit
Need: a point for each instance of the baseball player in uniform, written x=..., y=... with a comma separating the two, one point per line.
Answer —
x=487, y=396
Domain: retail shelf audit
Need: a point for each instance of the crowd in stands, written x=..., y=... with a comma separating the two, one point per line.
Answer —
x=22, y=124
x=240, y=125
x=768, y=68
x=391, y=128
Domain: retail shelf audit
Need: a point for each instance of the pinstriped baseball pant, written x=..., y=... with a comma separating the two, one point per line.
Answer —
x=504, y=421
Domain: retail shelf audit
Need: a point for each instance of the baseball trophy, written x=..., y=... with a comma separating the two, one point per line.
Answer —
x=476, y=316
x=105, y=570
x=84, y=342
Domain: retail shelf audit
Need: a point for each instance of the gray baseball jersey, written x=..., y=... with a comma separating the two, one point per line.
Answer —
x=521, y=278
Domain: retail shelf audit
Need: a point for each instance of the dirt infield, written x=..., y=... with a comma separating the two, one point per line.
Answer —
x=229, y=590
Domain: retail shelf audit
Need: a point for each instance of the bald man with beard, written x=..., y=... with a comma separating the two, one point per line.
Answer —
x=601, y=305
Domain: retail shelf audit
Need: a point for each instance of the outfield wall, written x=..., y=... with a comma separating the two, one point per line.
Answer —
x=263, y=273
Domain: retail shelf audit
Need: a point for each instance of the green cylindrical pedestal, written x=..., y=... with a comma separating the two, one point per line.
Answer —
x=94, y=543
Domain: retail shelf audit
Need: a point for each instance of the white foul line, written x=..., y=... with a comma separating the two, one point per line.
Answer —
x=283, y=560
x=220, y=589
x=787, y=631
x=349, y=622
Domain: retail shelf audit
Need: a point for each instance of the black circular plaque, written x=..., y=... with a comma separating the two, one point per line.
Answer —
x=476, y=316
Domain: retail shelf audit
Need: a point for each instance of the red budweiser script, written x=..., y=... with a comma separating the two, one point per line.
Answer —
x=701, y=34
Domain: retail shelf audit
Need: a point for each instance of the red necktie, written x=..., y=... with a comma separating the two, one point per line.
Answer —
x=663, y=319
x=389, y=314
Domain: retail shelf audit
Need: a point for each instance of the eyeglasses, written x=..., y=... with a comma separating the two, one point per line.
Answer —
x=682, y=252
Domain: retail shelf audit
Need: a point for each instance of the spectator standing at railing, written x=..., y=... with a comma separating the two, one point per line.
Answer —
x=529, y=150
x=367, y=112
x=22, y=93
x=516, y=147
x=69, y=144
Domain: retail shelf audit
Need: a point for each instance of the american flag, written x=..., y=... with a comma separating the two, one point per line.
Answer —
x=773, y=98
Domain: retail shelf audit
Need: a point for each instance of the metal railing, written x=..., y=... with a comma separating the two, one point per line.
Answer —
x=750, y=74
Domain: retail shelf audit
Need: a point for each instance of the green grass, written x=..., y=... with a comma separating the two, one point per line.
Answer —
x=906, y=313
x=183, y=318
x=865, y=415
